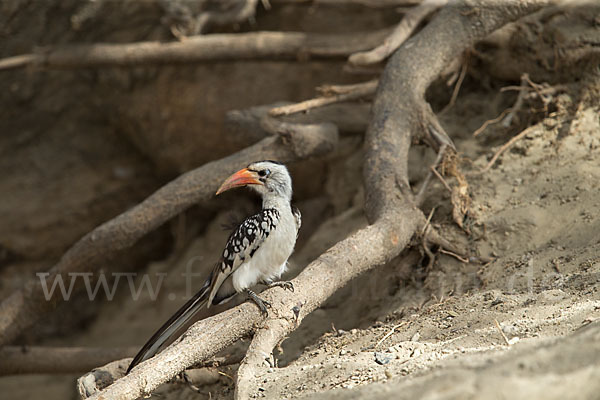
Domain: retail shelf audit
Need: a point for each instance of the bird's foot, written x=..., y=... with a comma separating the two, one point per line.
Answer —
x=263, y=305
x=286, y=285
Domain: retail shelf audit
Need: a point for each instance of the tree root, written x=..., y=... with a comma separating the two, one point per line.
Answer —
x=527, y=90
x=350, y=118
x=217, y=47
x=507, y=146
x=401, y=33
x=344, y=93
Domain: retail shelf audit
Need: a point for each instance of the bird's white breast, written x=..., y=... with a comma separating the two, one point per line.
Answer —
x=270, y=261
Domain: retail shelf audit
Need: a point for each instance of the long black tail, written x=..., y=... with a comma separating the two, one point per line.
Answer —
x=179, y=319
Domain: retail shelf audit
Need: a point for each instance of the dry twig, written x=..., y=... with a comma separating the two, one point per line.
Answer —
x=421, y=195
x=348, y=117
x=340, y=93
x=488, y=122
x=458, y=257
x=507, y=146
x=507, y=115
x=501, y=332
x=441, y=178
x=390, y=333
x=543, y=92
x=458, y=85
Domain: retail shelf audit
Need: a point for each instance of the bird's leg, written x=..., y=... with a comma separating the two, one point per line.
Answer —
x=263, y=305
x=286, y=285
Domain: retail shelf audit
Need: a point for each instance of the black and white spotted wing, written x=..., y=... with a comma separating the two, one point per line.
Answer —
x=242, y=244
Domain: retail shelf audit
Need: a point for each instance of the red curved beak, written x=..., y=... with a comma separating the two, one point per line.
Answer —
x=241, y=178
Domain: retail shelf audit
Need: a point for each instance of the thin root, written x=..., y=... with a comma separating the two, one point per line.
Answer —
x=459, y=82
x=507, y=146
x=390, y=333
x=501, y=332
x=441, y=178
x=508, y=115
x=426, y=226
x=421, y=195
x=411, y=20
x=462, y=259
x=356, y=92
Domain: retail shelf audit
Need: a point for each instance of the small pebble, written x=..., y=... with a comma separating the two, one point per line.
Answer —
x=383, y=358
x=514, y=340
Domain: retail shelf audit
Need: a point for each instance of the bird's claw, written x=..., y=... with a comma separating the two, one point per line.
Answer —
x=262, y=305
x=286, y=285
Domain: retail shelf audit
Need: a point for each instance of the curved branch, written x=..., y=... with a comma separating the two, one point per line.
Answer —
x=21, y=309
x=403, y=30
x=217, y=47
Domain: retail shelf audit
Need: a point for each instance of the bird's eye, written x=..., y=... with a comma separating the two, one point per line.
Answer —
x=264, y=172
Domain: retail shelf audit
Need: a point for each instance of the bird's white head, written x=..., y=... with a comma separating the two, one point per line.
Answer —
x=269, y=178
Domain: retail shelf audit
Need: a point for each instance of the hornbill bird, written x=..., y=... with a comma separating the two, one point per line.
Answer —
x=256, y=251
